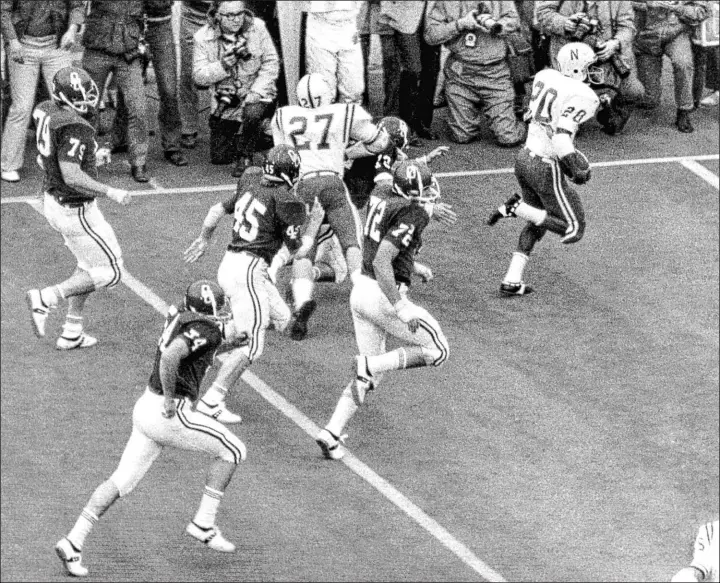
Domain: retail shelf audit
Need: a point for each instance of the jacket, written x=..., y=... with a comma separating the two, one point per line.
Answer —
x=670, y=24
x=15, y=15
x=405, y=17
x=258, y=74
x=440, y=28
x=114, y=27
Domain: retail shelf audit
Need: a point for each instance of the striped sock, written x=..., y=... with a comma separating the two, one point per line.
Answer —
x=82, y=528
x=205, y=517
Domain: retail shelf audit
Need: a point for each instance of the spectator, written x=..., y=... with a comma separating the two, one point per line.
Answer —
x=112, y=45
x=39, y=37
x=368, y=24
x=236, y=56
x=477, y=76
x=664, y=28
x=332, y=48
x=193, y=16
x=705, y=58
x=419, y=64
x=609, y=29
x=712, y=78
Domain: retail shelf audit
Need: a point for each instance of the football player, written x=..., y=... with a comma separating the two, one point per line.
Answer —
x=320, y=131
x=379, y=302
x=165, y=416
x=560, y=102
x=706, y=553
x=267, y=214
x=68, y=155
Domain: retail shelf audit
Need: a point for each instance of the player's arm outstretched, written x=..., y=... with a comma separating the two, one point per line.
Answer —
x=212, y=219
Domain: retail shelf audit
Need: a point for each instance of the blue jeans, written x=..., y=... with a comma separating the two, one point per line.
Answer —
x=39, y=57
x=159, y=37
x=131, y=90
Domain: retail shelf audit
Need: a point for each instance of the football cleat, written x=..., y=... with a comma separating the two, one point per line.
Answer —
x=505, y=210
x=298, y=331
x=330, y=445
x=82, y=341
x=220, y=412
x=38, y=311
x=515, y=289
x=212, y=537
x=71, y=558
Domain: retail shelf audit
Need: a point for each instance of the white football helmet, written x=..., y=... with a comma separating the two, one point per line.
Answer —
x=313, y=91
x=575, y=60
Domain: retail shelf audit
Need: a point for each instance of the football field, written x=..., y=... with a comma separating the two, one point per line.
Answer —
x=571, y=436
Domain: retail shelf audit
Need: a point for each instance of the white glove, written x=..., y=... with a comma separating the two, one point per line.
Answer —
x=118, y=195
x=407, y=312
x=423, y=272
x=307, y=243
x=102, y=157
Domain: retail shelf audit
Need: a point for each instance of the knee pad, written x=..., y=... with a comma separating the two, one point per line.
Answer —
x=436, y=356
x=235, y=451
x=107, y=275
x=124, y=483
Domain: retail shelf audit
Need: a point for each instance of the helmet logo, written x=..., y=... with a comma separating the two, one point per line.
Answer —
x=208, y=297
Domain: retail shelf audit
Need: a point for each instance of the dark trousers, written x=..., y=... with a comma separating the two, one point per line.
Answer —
x=402, y=90
x=430, y=65
x=231, y=139
x=706, y=71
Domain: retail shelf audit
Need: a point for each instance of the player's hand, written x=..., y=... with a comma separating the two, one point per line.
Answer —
x=423, y=272
x=436, y=153
x=406, y=311
x=305, y=247
x=67, y=42
x=469, y=21
x=119, y=196
x=609, y=49
x=169, y=408
x=229, y=60
x=103, y=156
x=571, y=23
x=443, y=212
x=196, y=250
x=16, y=51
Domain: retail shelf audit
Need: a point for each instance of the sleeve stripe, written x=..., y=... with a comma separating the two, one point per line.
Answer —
x=349, y=121
x=279, y=120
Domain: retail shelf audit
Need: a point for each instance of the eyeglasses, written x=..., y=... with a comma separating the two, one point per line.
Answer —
x=232, y=15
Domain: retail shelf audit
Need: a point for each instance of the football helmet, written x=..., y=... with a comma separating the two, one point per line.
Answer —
x=74, y=87
x=575, y=60
x=313, y=91
x=397, y=129
x=205, y=297
x=282, y=164
x=412, y=179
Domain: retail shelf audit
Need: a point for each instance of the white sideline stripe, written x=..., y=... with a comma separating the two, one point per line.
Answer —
x=708, y=176
x=230, y=187
x=362, y=470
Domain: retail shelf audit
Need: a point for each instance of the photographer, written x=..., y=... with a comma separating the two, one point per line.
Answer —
x=607, y=27
x=477, y=76
x=112, y=44
x=235, y=56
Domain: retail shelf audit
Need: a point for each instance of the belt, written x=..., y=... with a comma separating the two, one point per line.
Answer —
x=319, y=173
x=534, y=155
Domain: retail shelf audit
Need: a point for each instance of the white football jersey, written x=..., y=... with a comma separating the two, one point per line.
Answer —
x=557, y=102
x=321, y=135
x=706, y=552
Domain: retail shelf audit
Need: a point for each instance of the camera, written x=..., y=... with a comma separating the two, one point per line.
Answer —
x=236, y=45
x=585, y=26
x=484, y=19
x=226, y=100
x=617, y=62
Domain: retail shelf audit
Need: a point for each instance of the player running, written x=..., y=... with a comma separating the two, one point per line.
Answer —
x=165, y=416
x=267, y=213
x=68, y=154
x=379, y=302
x=320, y=131
x=561, y=101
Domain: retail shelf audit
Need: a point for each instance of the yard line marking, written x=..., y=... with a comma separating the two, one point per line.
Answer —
x=491, y=171
x=309, y=427
x=708, y=176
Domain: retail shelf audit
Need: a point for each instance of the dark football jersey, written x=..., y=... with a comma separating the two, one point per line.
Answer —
x=202, y=336
x=400, y=221
x=360, y=178
x=62, y=135
x=265, y=217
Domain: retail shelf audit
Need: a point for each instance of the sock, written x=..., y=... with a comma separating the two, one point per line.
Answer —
x=215, y=395
x=73, y=327
x=383, y=362
x=50, y=296
x=530, y=213
x=302, y=291
x=344, y=410
x=82, y=528
x=205, y=517
x=517, y=266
